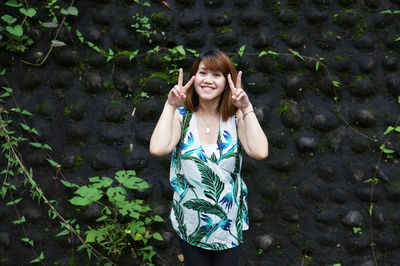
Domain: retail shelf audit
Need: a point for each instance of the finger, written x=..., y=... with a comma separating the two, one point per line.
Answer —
x=239, y=80
x=175, y=92
x=231, y=85
x=188, y=84
x=180, y=78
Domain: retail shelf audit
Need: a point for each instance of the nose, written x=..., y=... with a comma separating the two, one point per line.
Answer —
x=208, y=78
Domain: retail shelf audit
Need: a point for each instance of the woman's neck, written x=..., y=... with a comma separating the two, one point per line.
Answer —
x=209, y=108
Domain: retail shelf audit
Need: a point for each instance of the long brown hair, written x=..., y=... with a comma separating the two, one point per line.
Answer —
x=217, y=61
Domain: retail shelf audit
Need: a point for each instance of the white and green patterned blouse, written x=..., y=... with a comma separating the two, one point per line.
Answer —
x=209, y=208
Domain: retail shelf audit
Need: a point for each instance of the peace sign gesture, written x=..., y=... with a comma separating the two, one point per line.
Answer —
x=177, y=95
x=239, y=96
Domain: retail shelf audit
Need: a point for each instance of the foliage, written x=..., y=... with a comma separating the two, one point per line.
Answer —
x=112, y=233
x=15, y=25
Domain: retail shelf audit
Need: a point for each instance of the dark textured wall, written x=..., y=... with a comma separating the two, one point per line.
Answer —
x=304, y=200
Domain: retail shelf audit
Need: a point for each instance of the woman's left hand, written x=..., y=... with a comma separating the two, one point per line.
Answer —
x=239, y=96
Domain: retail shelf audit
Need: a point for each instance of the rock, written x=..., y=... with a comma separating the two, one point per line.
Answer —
x=263, y=39
x=62, y=79
x=378, y=219
x=149, y=110
x=387, y=242
x=292, y=118
x=226, y=39
x=327, y=217
x=136, y=160
x=213, y=3
x=270, y=191
x=362, y=118
x=114, y=113
x=189, y=19
x=68, y=57
x=364, y=43
x=353, y=219
x=357, y=244
x=91, y=213
x=252, y=18
x=364, y=194
x=264, y=242
x=47, y=108
x=31, y=80
x=310, y=191
x=102, y=160
x=337, y=195
x=156, y=86
x=306, y=144
x=324, y=120
x=102, y=17
x=326, y=40
x=382, y=20
x=75, y=111
x=186, y=2
x=4, y=239
x=256, y=215
x=120, y=37
x=32, y=213
x=290, y=214
x=390, y=63
x=356, y=173
x=219, y=20
x=111, y=135
x=287, y=16
x=327, y=239
x=363, y=88
x=255, y=83
x=93, y=35
x=168, y=238
x=393, y=84
x=360, y=144
x=366, y=63
x=294, y=86
x=36, y=158
x=77, y=132
x=368, y=263
x=315, y=16
x=335, y=143
x=195, y=39
x=125, y=84
x=394, y=194
x=296, y=39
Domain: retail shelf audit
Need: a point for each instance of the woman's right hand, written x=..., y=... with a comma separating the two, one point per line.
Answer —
x=177, y=95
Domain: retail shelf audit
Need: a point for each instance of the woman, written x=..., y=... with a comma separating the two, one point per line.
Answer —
x=206, y=124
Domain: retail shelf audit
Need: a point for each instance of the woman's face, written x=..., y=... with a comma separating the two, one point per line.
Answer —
x=208, y=84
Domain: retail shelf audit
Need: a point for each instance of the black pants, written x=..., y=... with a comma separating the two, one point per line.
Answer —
x=195, y=256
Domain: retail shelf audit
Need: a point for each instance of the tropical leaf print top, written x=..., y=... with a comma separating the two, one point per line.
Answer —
x=209, y=208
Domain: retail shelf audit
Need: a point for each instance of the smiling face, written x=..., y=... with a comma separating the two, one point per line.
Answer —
x=209, y=84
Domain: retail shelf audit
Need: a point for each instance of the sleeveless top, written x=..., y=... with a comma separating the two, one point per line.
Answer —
x=209, y=208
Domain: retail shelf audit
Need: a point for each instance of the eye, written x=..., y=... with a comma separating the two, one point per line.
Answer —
x=202, y=72
x=217, y=75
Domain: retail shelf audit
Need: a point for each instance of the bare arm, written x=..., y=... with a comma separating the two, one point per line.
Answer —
x=250, y=133
x=167, y=131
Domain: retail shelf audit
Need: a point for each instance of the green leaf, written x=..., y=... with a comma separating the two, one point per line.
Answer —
x=63, y=233
x=336, y=83
x=100, y=182
x=38, y=259
x=53, y=163
x=87, y=195
x=129, y=179
x=8, y=19
x=241, y=50
x=68, y=184
x=95, y=235
x=27, y=240
x=36, y=144
x=317, y=66
x=157, y=218
x=17, y=30
x=13, y=3
x=13, y=202
x=181, y=50
x=29, y=13
x=388, y=130
x=386, y=12
x=386, y=150
x=102, y=218
x=116, y=194
x=262, y=53
x=157, y=236
x=272, y=52
x=70, y=11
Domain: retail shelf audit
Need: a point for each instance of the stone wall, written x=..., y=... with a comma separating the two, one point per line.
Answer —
x=310, y=201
